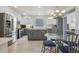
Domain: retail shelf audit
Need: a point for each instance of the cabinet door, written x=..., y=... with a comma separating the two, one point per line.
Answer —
x=30, y=34
x=40, y=34
x=34, y=34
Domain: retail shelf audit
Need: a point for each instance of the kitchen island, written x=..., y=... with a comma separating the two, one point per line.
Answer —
x=36, y=33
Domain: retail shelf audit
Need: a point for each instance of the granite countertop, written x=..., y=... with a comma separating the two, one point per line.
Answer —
x=4, y=40
x=36, y=28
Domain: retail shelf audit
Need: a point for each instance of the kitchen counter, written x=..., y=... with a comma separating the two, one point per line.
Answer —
x=4, y=40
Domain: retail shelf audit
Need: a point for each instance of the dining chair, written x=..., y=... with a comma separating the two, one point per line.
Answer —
x=71, y=43
x=48, y=43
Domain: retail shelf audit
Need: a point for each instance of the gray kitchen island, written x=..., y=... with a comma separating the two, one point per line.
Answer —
x=36, y=34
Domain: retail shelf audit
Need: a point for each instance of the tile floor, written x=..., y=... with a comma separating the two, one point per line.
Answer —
x=24, y=46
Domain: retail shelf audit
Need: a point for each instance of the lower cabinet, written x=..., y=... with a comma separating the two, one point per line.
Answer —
x=21, y=33
x=36, y=34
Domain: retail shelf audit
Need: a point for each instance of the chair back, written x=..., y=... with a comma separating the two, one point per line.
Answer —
x=72, y=37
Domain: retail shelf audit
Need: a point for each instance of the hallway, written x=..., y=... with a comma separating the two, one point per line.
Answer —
x=25, y=46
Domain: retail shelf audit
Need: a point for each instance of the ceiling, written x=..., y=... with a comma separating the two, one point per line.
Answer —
x=39, y=10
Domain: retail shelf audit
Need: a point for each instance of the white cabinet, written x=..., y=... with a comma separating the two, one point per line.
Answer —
x=4, y=44
x=71, y=20
x=4, y=48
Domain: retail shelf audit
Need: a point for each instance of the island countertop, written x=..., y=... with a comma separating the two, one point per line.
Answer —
x=37, y=28
x=4, y=40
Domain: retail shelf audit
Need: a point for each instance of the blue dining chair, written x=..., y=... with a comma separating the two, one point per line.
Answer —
x=48, y=43
x=71, y=42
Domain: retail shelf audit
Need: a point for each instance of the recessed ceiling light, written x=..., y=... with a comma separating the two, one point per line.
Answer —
x=15, y=6
x=39, y=6
x=63, y=11
x=57, y=11
x=24, y=13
